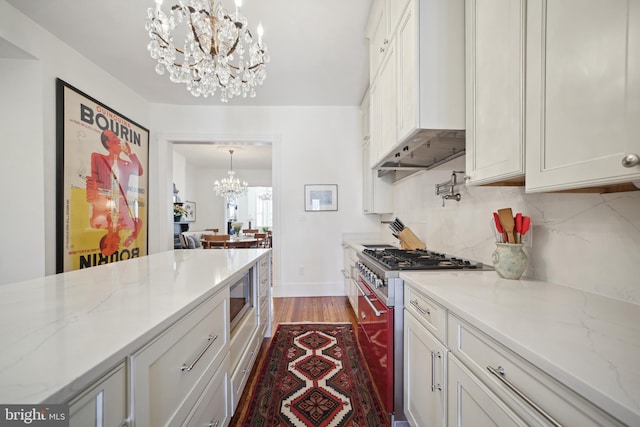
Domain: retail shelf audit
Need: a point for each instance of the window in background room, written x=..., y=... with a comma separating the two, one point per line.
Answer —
x=263, y=196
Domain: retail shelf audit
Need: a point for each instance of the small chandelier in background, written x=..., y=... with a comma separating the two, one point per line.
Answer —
x=265, y=196
x=230, y=187
x=218, y=51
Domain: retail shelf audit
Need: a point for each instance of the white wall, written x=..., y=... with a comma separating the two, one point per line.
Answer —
x=210, y=208
x=52, y=59
x=311, y=145
x=586, y=241
x=21, y=254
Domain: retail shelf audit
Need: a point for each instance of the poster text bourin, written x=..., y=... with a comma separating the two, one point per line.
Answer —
x=102, y=183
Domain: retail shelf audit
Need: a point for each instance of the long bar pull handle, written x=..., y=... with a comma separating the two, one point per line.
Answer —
x=434, y=386
x=214, y=424
x=433, y=371
x=190, y=366
x=416, y=304
x=373, y=307
x=499, y=373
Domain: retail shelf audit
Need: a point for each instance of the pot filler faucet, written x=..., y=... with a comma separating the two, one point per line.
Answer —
x=447, y=189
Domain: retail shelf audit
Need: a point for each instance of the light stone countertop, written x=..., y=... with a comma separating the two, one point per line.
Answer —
x=588, y=342
x=60, y=332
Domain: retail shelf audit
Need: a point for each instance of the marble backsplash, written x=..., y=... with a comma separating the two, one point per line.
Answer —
x=586, y=241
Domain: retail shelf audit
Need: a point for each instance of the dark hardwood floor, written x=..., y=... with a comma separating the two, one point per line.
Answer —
x=300, y=309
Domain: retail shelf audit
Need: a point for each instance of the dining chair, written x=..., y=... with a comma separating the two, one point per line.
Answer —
x=262, y=239
x=215, y=240
x=215, y=230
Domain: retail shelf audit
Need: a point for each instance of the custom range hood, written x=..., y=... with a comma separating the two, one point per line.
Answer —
x=425, y=150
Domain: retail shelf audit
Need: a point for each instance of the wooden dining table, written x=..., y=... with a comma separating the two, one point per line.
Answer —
x=244, y=242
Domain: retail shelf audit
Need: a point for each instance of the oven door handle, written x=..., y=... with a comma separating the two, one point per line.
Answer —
x=373, y=307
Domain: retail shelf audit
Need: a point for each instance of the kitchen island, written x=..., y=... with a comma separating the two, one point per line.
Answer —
x=60, y=334
x=574, y=353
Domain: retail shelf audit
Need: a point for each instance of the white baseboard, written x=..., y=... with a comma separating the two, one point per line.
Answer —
x=308, y=290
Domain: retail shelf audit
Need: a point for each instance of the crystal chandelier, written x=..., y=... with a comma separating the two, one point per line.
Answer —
x=219, y=51
x=230, y=187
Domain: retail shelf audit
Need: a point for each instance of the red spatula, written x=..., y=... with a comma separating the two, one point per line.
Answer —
x=526, y=224
x=518, y=227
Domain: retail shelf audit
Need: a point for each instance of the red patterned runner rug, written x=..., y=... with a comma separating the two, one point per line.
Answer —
x=314, y=375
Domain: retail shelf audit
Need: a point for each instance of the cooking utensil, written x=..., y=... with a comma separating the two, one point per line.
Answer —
x=507, y=222
x=495, y=231
x=400, y=223
x=518, y=227
x=526, y=224
x=499, y=227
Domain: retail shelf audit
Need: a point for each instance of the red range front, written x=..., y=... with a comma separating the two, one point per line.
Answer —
x=375, y=335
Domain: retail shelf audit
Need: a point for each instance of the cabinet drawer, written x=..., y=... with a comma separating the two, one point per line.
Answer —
x=481, y=354
x=241, y=373
x=264, y=312
x=213, y=407
x=172, y=371
x=431, y=314
x=241, y=336
x=105, y=403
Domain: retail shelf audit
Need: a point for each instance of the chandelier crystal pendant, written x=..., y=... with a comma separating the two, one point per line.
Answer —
x=230, y=187
x=218, y=51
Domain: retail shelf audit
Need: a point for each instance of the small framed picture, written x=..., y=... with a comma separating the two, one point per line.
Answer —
x=184, y=211
x=320, y=197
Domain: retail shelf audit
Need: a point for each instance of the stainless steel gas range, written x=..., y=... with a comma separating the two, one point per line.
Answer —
x=380, y=313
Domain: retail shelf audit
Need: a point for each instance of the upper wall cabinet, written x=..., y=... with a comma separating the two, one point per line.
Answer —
x=419, y=70
x=583, y=93
x=495, y=38
x=377, y=194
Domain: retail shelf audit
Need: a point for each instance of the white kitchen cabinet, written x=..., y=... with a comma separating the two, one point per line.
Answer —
x=419, y=71
x=430, y=67
x=171, y=372
x=471, y=403
x=213, y=409
x=508, y=380
x=583, y=93
x=388, y=99
x=425, y=367
x=104, y=404
x=377, y=192
x=350, y=258
x=495, y=39
x=378, y=35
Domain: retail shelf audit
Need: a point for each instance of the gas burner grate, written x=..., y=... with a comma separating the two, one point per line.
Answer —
x=418, y=259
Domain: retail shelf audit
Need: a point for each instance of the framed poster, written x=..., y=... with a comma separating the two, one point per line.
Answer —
x=321, y=197
x=102, y=180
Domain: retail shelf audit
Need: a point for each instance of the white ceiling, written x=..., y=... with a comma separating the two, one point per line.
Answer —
x=319, y=56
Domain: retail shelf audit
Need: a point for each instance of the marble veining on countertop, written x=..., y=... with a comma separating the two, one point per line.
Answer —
x=586, y=341
x=59, y=332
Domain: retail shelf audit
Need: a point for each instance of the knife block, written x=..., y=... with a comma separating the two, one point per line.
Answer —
x=408, y=240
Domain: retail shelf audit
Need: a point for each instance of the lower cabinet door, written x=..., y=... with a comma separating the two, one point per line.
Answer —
x=471, y=403
x=214, y=406
x=104, y=404
x=424, y=375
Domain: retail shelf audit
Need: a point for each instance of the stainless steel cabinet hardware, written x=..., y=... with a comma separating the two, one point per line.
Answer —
x=434, y=386
x=630, y=160
x=373, y=307
x=499, y=373
x=190, y=366
x=213, y=423
x=248, y=368
x=416, y=304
